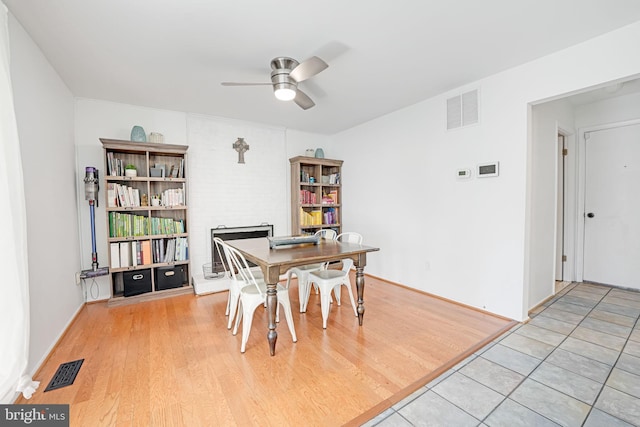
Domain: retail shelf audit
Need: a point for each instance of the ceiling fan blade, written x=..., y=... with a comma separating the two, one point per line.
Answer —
x=303, y=100
x=245, y=84
x=308, y=68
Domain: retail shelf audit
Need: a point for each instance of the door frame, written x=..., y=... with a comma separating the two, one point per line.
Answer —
x=568, y=226
x=582, y=177
x=560, y=200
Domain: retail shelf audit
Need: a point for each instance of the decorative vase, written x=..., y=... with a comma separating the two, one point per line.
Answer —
x=309, y=152
x=319, y=153
x=156, y=137
x=138, y=135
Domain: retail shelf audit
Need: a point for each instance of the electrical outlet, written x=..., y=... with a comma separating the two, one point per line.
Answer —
x=78, y=278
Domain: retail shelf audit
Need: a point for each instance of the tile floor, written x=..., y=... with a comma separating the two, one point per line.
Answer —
x=576, y=363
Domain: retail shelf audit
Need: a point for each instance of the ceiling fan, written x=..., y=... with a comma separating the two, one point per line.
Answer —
x=286, y=74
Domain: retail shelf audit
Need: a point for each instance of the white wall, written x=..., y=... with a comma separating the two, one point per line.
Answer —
x=44, y=112
x=547, y=120
x=614, y=110
x=471, y=240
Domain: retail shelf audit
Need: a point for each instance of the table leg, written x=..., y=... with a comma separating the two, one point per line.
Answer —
x=272, y=305
x=360, y=289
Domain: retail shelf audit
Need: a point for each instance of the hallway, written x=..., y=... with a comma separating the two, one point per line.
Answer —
x=576, y=363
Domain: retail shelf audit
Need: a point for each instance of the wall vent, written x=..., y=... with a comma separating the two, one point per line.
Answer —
x=462, y=110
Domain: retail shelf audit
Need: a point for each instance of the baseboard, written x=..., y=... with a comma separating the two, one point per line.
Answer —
x=47, y=354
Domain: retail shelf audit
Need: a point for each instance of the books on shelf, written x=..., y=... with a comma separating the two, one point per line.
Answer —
x=314, y=217
x=330, y=216
x=130, y=254
x=307, y=197
x=166, y=226
x=146, y=251
x=130, y=225
x=172, y=197
x=119, y=195
x=115, y=255
x=127, y=225
x=125, y=254
x=170, y=250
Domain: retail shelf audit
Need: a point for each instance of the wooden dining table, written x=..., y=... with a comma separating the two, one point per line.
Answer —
x=278, y=260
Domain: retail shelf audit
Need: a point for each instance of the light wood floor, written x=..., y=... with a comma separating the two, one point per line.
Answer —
x=173, y=362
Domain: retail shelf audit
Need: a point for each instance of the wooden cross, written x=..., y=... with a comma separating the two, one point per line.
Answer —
x=240, y=146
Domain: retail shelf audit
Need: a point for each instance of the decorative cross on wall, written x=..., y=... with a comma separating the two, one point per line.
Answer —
x=240, y=146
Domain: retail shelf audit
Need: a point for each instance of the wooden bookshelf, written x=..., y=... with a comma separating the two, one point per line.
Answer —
x=316, y=194
x=147, y=220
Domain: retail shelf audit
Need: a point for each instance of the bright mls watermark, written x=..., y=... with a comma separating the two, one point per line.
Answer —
x=34, y=415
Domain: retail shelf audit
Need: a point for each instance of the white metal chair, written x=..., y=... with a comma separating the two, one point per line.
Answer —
x=302, y=272
x=253, y=293
x=234, y=285
x=331, y=280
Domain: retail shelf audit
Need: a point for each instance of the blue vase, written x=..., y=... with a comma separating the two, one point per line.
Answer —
x=319, y=153
x=138, y=135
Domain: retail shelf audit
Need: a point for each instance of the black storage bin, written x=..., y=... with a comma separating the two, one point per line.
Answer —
x=136, y=282
x=170, y=277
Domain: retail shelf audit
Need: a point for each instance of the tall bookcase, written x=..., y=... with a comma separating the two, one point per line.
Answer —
x=316, y=195
x=147, y=219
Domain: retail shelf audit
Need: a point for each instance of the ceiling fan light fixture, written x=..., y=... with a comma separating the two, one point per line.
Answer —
x=284, y=91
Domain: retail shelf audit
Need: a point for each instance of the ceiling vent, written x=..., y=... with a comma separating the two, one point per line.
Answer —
x=462, y=110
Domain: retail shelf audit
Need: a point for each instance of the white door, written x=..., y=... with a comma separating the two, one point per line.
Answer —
x=612, y=207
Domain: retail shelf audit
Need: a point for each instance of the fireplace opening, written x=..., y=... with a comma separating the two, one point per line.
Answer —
x=234, y=233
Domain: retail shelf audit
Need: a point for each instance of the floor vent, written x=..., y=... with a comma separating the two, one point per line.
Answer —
x=65, y=375
x=462, y=110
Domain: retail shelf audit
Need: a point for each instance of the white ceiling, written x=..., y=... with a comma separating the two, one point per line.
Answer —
x=382, y=55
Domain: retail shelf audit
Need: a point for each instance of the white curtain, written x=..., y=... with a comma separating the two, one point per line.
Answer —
x=14, y=287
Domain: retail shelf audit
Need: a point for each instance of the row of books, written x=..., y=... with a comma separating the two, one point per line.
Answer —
x=318, y=217
x=310, y=218
x=145, y=252
x=166, y=225
x=119, y=195
x=330, y=198
x=172, y=197
x=330, y=216
x=130, y=225
x=115, y=166
x=333, y=178
x=130, y=254
x=304, y=176
x=173, y=250
x=127, y=225
x=176, y=171
x=307, y=197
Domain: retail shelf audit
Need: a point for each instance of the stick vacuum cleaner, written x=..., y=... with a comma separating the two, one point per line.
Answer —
x=91, y=194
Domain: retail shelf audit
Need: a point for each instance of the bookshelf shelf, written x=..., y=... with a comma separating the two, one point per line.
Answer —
x=315, y=205
x=147, y=219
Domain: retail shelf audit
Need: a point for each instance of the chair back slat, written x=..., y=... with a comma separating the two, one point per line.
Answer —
x=327, y=234
x=219, y=248
x=350, y=236
x=240, y=270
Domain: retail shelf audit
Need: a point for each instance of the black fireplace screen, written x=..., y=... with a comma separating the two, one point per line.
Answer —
x=235, y=233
